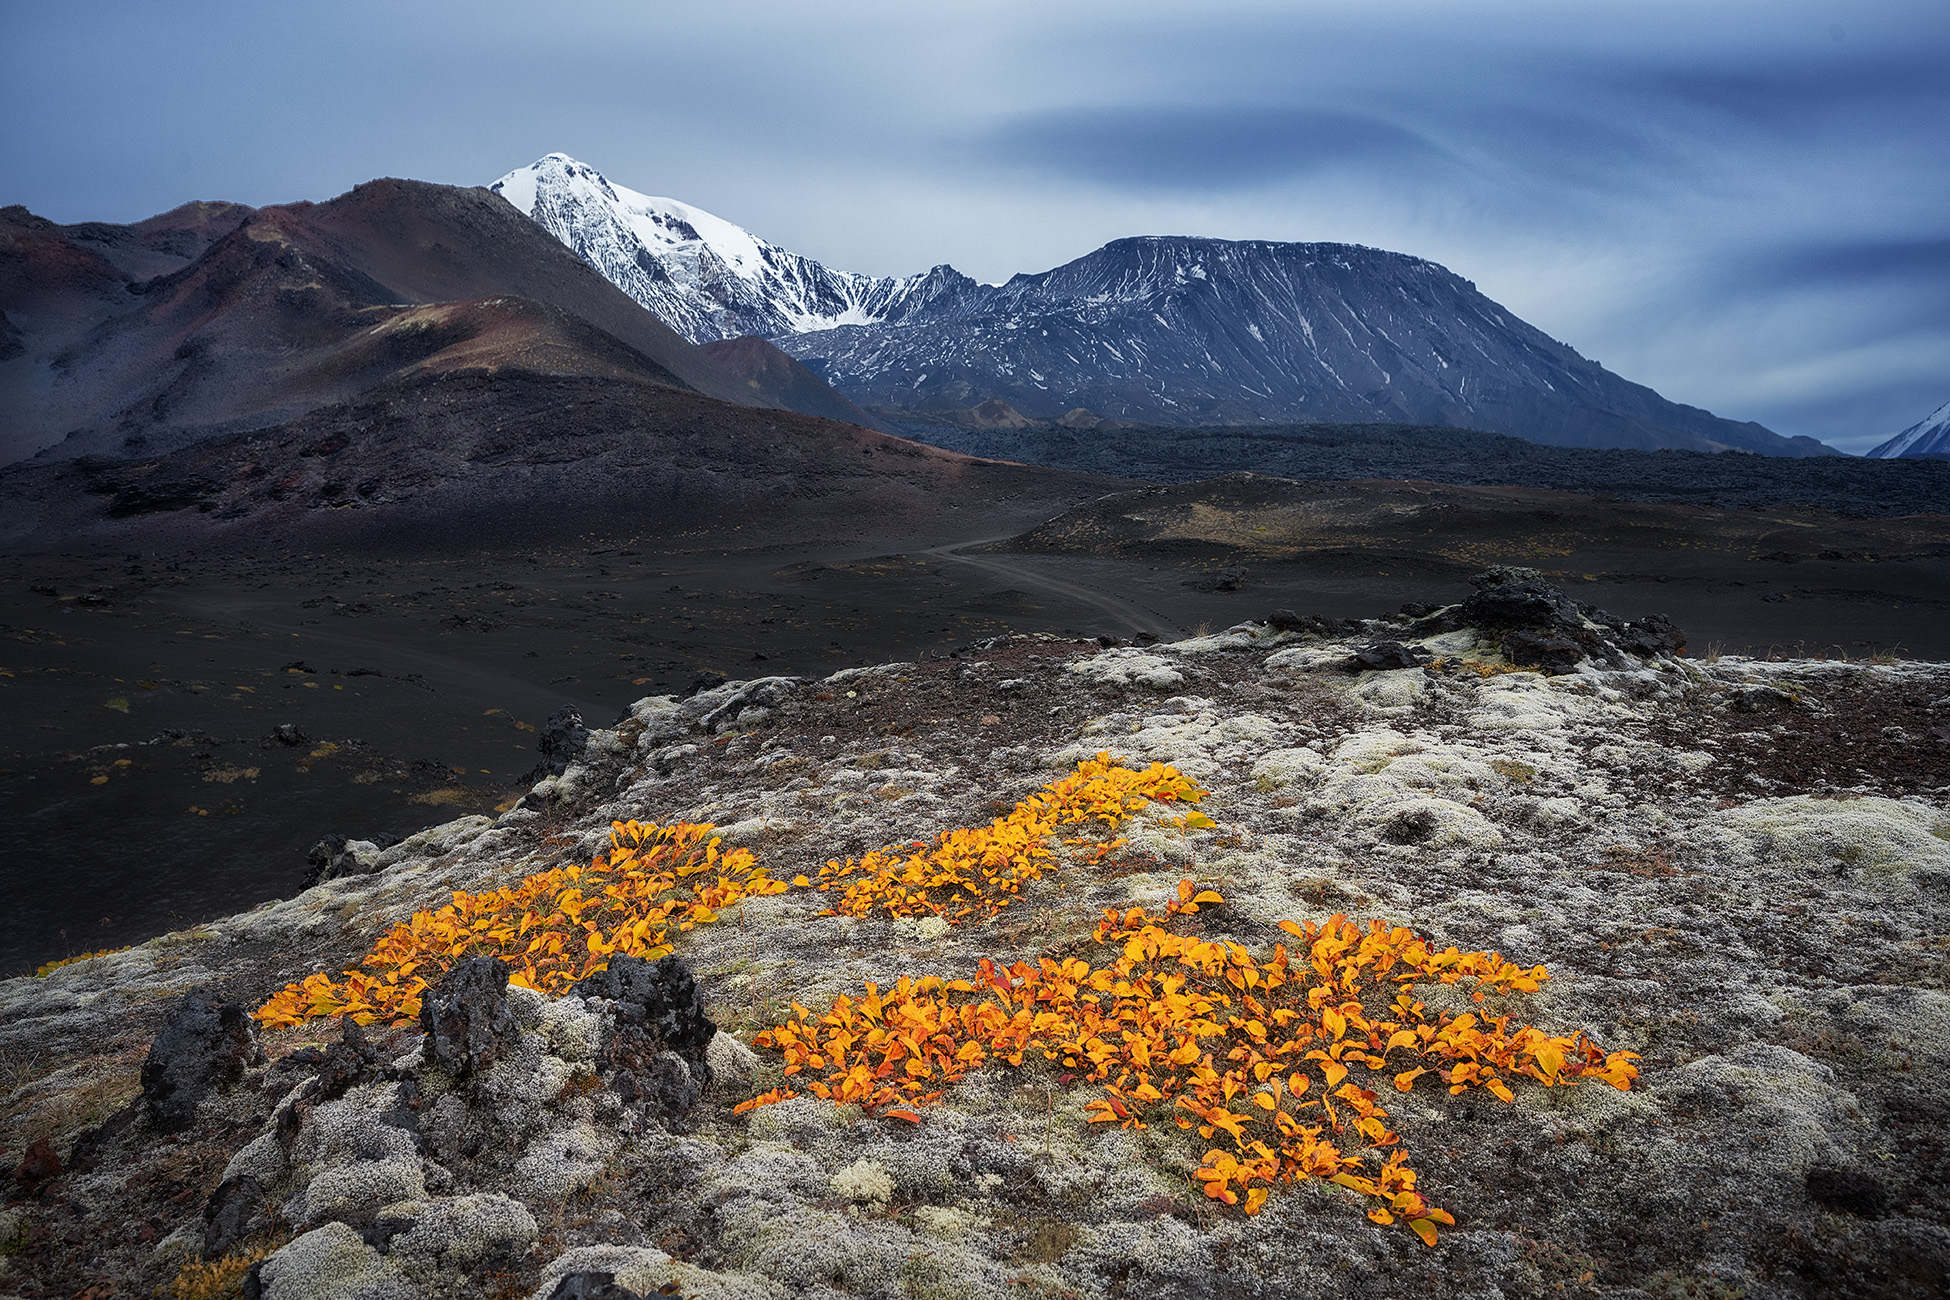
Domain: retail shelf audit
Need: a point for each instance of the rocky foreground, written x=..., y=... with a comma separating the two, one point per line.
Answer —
x=1738, y=870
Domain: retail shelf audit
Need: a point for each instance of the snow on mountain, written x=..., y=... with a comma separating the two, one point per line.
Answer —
x=1181, y=330
x=1169, y=330
x=1929, y=436
x=705, y=277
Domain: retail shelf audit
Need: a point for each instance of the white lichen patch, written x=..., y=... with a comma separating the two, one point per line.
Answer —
x=1129, y=669
x=864, y=1181
x=1880, y=836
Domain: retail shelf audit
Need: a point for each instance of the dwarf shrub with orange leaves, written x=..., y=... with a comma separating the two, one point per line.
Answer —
x=553, y=927
x=973, y=873
x=1201, y=1031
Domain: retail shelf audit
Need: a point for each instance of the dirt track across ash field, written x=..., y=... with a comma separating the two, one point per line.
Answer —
x=142, y=785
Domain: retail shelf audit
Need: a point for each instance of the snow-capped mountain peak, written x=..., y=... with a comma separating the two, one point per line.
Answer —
x=1155, y=328
x=706, y=277
x=1929, y=436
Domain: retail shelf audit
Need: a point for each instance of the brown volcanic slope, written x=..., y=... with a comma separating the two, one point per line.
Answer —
x=133, y=339
x=443, y=457
x=766, y=369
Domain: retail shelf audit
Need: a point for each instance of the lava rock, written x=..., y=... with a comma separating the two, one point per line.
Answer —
x=1384, y=655
x=591, y=1286
x=1848, y=1190
x=201, y=1046
x=323, y=857
x=466, y=1017
x=1655, y=634
x=228, y=1212
x=661, y=996
x=337, y=856
x=656, y=1054
x=562, y=741
x=40, y=1167
x=761, y=693
x=1763, y=699
x=287, y=734
x=1545, y=629
x=706, y=681
x=347, y=1063
x=1555, y=654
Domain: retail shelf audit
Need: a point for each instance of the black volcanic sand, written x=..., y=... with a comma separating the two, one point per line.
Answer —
x=142, y=786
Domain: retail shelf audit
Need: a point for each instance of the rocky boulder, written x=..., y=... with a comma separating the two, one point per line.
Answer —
x=201, y=1046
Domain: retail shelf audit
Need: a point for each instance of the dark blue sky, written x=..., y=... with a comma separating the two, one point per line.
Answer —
x=1744, y=205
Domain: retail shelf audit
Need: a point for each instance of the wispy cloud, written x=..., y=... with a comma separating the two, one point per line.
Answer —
x=1204, y=148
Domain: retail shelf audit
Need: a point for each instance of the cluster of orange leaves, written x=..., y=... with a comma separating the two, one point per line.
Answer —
x=972, y=873
x=553, y=927
x=48, y=968
x=1201, y=1031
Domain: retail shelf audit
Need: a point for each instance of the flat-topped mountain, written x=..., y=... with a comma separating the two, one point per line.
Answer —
x=1175, y=330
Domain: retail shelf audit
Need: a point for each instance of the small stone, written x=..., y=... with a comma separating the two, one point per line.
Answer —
x=40, y=1167
x=228, y=1212
x=591, y=1286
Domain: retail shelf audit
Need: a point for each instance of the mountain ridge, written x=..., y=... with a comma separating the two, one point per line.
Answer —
x=130, y=340
x=1158, y=329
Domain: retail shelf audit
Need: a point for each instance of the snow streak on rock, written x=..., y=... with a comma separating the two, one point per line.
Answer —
x=1929, y=436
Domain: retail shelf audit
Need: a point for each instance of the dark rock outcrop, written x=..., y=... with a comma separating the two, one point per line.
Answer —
x=1382, y=655
x=340, y=855
x=466, y=1017
x=655, y=1054
x=562, y=741
x=201, y=1046
x=1541, y=627
x=228, y=1213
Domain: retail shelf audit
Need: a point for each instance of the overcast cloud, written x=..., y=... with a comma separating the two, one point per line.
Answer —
x=1744, y=205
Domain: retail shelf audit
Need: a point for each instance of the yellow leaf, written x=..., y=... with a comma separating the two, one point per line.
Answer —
x=1424, y=1229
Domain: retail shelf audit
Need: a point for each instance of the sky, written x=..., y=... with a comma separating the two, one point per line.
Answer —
x=1743, y=205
